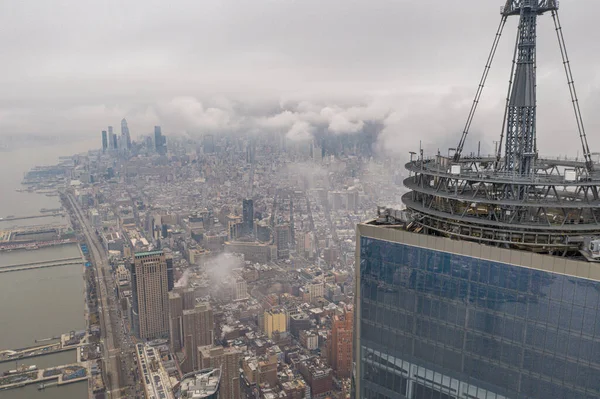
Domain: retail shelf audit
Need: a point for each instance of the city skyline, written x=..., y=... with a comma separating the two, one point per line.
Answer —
x=381, y=86
x=299, y=199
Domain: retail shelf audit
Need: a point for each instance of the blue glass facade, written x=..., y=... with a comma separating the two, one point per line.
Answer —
x=441, y=325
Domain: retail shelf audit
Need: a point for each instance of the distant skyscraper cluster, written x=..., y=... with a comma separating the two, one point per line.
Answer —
x=123, y=144
x=110, y=140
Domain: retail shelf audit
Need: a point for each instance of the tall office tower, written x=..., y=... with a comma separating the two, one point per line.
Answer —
x=160, y=141
x=150, y=294
x=157, y=138
x=114, y=141
x=126, y=137
x=180, y=299
x=198, y=330
x=203, y=384
x=208, y=144
x=175, y=321
x=251, y=151
x=339, y=344
x=189, y=297
x=170, y=273
x=104, y=141
x=248, y=216
x=239, y=290
x=292, y=228
x=111, y=143
x=282, y=241
x=488, y=284
x=228, y=359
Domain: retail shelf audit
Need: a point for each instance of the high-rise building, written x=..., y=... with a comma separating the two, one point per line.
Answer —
x=111, y=141
x=488, y=284
x=462, y=317
x=248, y=216
x=189, y=297
x=157, y=137
x=198, y=330
x=150, y=294
x=282, y=241
x=203, y=384
x=160, y=141
x=229, y=360
x=339, y=344
x=126, y=137
x=275, y=320
x=251, y=151
x=170, y=273
x=175, y=321
x=180, y=299
x=104, y=141
x=240, y=289
x=208, y=144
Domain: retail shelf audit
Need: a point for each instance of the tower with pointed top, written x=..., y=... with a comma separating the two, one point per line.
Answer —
x=487, y=284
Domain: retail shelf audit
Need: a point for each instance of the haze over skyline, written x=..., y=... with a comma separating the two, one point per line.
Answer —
x=290, y=66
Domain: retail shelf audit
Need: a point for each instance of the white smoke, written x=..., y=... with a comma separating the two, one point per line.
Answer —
x=222, y=266
x=184, y=279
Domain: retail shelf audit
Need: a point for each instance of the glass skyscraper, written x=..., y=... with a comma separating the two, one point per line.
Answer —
x=441, y=318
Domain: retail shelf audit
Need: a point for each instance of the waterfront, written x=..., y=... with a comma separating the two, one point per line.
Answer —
x=42, y=362
x=78, y=390
x=38, y=303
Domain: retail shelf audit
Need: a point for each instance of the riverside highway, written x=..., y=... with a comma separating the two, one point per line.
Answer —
x=114, y=375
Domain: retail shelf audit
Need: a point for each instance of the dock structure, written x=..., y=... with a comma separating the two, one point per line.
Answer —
x=9, y=246
x=47, y=215
x=41, y=264
x=66, y=374
x=68, y=341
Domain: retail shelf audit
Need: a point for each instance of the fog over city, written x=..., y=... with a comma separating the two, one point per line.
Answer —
x=293, y=66
x=259, y=199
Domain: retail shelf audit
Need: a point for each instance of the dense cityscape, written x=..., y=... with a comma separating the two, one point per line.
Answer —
x=306, y=263
x=219, y=253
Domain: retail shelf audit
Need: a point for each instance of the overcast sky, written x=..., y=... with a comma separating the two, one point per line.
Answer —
x=196, y=66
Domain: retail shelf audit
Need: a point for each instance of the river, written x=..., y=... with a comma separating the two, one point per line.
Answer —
x=38, y=303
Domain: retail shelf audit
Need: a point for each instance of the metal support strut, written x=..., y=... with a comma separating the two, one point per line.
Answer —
x=510, y=86
x=486, y=71
x=571, y=83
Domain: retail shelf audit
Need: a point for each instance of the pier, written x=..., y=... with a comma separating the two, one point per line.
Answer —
x=66, y=374
x=58, y=375
x=13, y=245
x=68, y=342
x=47, y=215
x=41, y=264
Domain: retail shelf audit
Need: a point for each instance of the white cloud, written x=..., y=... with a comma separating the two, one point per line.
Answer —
x=300, y=131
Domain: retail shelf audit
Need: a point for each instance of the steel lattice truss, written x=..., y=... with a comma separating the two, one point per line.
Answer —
x=516, y=199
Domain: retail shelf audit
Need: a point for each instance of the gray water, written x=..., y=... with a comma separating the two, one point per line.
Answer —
x=77, y=390
x=38, y=303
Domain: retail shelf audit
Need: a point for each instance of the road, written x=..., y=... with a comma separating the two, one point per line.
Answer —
x=110, y=343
